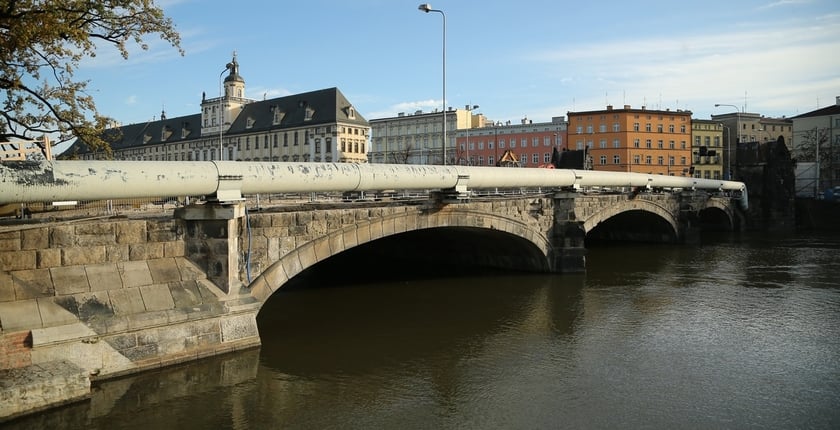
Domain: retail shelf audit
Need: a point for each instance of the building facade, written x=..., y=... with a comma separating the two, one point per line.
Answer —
x=634, y=140
x=530, y=144
x=417, y=138
x=708, y=153
x=816, y=140
x=315, y=126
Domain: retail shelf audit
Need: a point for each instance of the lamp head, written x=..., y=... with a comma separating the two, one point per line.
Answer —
x=425, y=7
x=717, y=104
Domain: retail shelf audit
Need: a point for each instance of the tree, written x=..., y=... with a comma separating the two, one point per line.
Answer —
x=42, y=43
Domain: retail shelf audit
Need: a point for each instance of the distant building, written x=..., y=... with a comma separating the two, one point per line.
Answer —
x=417, y=138
x=319, y=125
x=634, y=140
x=816, y=140
x=708, y=150
x=532, y=144
x=753, y=127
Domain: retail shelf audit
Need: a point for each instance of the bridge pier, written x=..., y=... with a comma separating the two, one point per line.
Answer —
x=212, y=241
x=567, y=236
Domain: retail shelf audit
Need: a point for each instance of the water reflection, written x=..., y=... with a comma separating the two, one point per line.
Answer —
x=740, y=332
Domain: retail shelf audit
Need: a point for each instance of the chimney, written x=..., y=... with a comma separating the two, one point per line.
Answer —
x=837, y=100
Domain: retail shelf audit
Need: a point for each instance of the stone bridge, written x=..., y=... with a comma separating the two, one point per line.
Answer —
x=87, y=299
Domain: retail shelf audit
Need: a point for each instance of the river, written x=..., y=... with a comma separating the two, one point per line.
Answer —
x=737, y=332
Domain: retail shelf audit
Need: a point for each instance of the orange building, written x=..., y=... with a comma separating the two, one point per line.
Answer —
x=634, y=140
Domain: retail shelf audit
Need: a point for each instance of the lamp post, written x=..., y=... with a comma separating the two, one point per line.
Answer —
x=737, y=139
x=426, y=7
x=469, y=126
x=728, y=139
x=221, y=114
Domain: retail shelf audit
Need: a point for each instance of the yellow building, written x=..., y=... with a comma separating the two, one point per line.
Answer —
x=634, y=140
x=708, y=154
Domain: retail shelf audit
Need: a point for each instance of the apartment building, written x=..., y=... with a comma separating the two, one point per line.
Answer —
x=708, y=151
x=417, y=138
x=315, y=126
x=634, y=140
x=530, y=144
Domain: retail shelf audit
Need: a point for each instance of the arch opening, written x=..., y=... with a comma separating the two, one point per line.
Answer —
x=632, y=226
x=427, y=253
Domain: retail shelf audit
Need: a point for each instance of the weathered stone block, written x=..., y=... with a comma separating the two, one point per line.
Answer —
x=62, y=236
x=175, y=248
x=130, y=232
x=157, y=297
x=32, y=284
x=164, y=270
x=20, y=315
x=127, y=301
x=47, y=258
x=104, y=276
x=10, y=241
x=134, y=273
x=7, y=288
x=239, y=327
x=185, y=294
x=70, y=280
x=77, y=256
x=17, y=260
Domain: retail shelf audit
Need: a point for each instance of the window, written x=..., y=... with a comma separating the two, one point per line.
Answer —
x=671, y=128
x=589, y=129
x=635, y=126
x=616, y=127
x=602, y=144
x=524, y=158
x=579, y=129
x=660, y=144
x=490, y=160
x=547, y=157
x=602, y=128
x=635, y=143
x=502, y=144
x=659, y=128
x=535, y=158
x=546, y=141
x=535, y=142
x=648, y=127
x=671, y=144
x=648, y=159
x=616, y=159
x=616, y=143
x=648, y=144
x=637, y=159
x=660, y=160
x=603, y=159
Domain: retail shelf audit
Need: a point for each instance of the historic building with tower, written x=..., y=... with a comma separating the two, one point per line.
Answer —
x=319, y=125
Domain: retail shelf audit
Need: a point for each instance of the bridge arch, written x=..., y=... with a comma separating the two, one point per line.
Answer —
x=592, y=220
x=533, y=248
x=719, y=214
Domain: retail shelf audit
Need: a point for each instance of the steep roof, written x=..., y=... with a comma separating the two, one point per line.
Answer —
x=326, y=106
x=828, y=110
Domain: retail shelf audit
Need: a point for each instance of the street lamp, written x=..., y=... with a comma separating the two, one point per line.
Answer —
x=426, y=7
x=222, y=115
x=737, y=139
x=469, y=126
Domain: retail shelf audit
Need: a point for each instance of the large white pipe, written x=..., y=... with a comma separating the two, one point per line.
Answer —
x=46, y=181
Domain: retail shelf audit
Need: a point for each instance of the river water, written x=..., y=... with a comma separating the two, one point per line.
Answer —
x=738, y=332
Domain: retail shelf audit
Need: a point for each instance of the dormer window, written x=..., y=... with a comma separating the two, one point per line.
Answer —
x=309, y=113
x=278, y=116
x=249, y=123
x=165, y=133
x=146, y=138
x=351, y=112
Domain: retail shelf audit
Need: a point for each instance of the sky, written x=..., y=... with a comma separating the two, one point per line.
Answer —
x=533, y=59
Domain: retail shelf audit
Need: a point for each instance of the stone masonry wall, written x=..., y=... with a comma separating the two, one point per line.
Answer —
x=105, y=297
